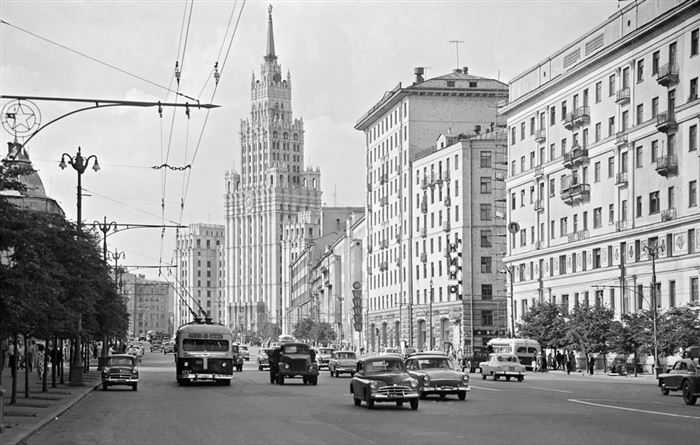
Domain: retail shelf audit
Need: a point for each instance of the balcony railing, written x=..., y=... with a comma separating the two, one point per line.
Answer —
x=580, y=117
x=666, y=165
x=667, y=75
x=668, y=214
x=539, y=205
x=577, y=236
x=539, y=171
x=623, y=96
x=621, y=178
x=384, y=244
x=573, y=191
x=423, y=232
x=446, y=226
x=577, y=156
x=541, y=135
x=620, y=225
x=621, y=139
x=666, y=121
x=383, y=266
x=383, y=178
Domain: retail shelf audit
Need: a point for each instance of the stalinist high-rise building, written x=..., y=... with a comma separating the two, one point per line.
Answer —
x=270, y=189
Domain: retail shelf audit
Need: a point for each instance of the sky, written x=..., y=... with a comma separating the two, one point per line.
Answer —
x=342, y=56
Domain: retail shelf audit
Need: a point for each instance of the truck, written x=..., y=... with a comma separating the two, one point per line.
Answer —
x=293, y=360
x=683, y=376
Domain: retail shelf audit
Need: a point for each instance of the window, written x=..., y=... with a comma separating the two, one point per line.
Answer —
x=655, y=63
x=522, y=163
x=486, y=159
x=611, y=214
x=625, y=120
x=694, y=42
x=596, y=172
x=611, y=126
x=691, y=240
x=639, y=206
x=562, y=264
x=563, y=110
x=552, y=116
x=640, y=70
x=563, y=230
x=598, y=91
x=640, y=113
x=485, y=212
x=654, y=203
x=552, y=151
x=694, y=289
x=523, y=237
x=512, y=135
x=485, y=185
x=654, y=150
x=551, y=187
x=486, y=238
x=485, y=264
x=532, y=126
x=623, y=210
x=692, y=193
x=512, y=168
x=638, y=156
x=598, y=132
x=611, y=166
x=487, y=318
x=596, y=259
x=598, y=218
x=693, y=90
x=512, y=201
x=654, y=107
x=611, y=85
x=522, y=130
x=672, y=293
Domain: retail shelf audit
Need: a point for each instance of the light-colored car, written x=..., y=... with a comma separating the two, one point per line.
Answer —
x=391, y=351
x=168, y=346
x=436, y=374
x=502, y=365
x=342, y=362
x=264, y=358
x=244, y=352
x=323, y=355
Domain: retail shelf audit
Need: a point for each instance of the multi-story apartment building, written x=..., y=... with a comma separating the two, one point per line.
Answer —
x=152, y=306
x=398, y=130
x=604, y=165
x=270, y=190
x=197, y=283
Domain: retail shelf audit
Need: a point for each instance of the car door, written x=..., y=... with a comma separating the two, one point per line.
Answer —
x=679, y=368
x=357, y=384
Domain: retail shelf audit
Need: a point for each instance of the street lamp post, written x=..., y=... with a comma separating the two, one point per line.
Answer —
x=430, y=314
x=511, y=328
x=653, y=250
x=79, y=164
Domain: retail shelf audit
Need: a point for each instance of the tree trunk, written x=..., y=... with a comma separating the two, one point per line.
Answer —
x=13, y=369
x=635, y=363
x=26, y=368
x=45, y=367
x=60, y=361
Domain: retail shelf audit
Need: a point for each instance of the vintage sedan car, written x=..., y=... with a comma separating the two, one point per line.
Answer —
x=436, y=374
x=264, y=358
x=244, y=352
x=120, y=369
x=502, y=365
x=323, y=355
x=342, y=362
x=156, y=346
x=683, y=376
x=168, y=346
x=383, y=379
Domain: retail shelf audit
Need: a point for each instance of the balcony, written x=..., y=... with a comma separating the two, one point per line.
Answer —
x=577, y=156
x=621, y=139
x=541, y=135
x=666, y=165
x=423, y=232
x=383, y=266
x=447, y=201
x=667, y=75
x=424, y=257
x=384, y=244
x=569, y=121
x=539, y=205
x=621, y=179
x=446, y=226
x=383, y=178
x=580, y=117
x=573, y=191
x=623, y=96
x=539, y=171
x=577, y=236
x=383, y=201
x=666, y=122
x=620, y=225
x=668, y=214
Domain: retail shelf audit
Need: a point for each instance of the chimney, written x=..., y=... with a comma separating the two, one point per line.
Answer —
x=418, y=71
x=458, y=71
x=477, y=129
x=465, y=70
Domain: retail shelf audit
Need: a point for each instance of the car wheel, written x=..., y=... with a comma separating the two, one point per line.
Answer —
x=280, y=379
x=104, y=387
x=368, y=401
x=483, y=376
x=260, y=368
x=356, y=400
x=507, y=378
x=399, y=404
x=664, y=391
x=305, y=380
x=462, y=395
x=495, y=376
x=314, y=380
x=521, y=378
x=135, y=386
x=414, y=404
x=442, y=396
x=273, y=378
x=688, y=396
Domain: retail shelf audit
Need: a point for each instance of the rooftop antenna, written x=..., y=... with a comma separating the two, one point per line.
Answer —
x=457, y=42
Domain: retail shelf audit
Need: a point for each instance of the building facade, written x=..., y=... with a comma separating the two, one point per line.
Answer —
x=604, y=167
x=197, y=281
x=401, y=128
x=270, y=190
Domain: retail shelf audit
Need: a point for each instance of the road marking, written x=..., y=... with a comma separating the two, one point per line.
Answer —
x=550, y=389
x=485, y=389
x=633, y=409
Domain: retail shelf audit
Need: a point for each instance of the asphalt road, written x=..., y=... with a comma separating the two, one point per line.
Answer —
x=550, y=408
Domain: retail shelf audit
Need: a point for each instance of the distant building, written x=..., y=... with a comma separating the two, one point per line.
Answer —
x=198, y=265
x=271, y=189
x=408, y=224
x=149, y=304
x=604, y=165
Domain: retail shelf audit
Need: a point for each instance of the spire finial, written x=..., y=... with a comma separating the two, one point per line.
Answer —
x=270, y=54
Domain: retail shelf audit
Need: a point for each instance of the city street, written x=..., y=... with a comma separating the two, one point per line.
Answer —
x=545, y=408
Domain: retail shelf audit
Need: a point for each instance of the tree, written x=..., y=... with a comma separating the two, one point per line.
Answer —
x=678, y=327
x=632, y=335
x=269, y=330
x=544, y=323
x=304, y=330
x=589, y=329
x=324, y=333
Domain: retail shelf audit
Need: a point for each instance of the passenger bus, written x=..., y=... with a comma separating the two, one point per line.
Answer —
x=286, y=339
x=525, y=348
x=204, y=352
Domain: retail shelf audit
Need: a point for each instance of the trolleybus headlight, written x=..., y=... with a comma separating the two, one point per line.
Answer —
x=186, y=364
x=223, y=365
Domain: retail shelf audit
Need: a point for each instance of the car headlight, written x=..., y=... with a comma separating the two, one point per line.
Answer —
x=465, y=378
x=373, y=386
x=105, y=370
x=285, y=365
x=426, y=380
x=414, y=382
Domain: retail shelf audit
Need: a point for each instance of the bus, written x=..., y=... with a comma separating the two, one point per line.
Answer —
x=204, y=352
x=286, y=339
x=525, y=348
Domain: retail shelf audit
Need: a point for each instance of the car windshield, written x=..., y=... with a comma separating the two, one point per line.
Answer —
x=507, y=358
x=325, y=351
x=120, y=361
x=345, y=355
x=243, y=348
x=434, y=363
x=380, y=366
x=296, y=349
x=190, y=344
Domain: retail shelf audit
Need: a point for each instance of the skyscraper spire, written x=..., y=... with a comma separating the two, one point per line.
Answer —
x=270, y=54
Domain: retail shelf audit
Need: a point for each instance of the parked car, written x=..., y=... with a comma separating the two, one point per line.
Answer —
x=323, y=355
x=683, y=376
x=502, y=365
x=342, y=362
x=436, y=374
x=168, y=346
x=244, y=352
x=120, y=369
x=383, y=379
x=263, y=358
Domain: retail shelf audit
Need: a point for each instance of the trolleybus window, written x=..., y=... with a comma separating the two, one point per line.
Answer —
x=189, y=344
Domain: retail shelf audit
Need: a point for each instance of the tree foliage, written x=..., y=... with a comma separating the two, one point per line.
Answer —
x=544, y=323
x=678, y=327
x=314, y=332
x=589, y=328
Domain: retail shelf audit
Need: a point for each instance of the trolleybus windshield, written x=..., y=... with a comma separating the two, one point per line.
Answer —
x=191, y=344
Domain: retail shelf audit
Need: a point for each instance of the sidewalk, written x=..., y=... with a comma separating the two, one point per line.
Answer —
x=598, y=376
x=28, y=415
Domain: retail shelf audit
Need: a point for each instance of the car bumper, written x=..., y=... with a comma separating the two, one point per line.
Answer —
x=290, y=374
x=341, y=369
x=120, y=381
x=204, y=376
x=445, y=389
x=509, y=373
x=377, y=397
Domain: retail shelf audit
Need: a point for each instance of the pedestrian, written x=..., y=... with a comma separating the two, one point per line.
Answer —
x=40, y=360
x=20, y=355
x=31, y=353
x=591, y=364
x=569, y=361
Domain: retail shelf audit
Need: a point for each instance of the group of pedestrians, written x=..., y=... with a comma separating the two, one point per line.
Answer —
x=30, y=358
x=560, y=360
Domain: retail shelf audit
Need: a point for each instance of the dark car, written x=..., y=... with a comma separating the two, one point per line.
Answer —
x=291, y=360
x=342, y=362
x=156, y=346
x=383, y=379
x=436, y=374
x=683, y=376
x=120, y=369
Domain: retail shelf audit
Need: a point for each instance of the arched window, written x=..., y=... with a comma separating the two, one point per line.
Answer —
x=272, y=180
x=274, y=134
x=285, y=136
x=296, y=137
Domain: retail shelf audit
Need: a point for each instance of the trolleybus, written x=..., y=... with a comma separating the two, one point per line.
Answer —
x=204, y=353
